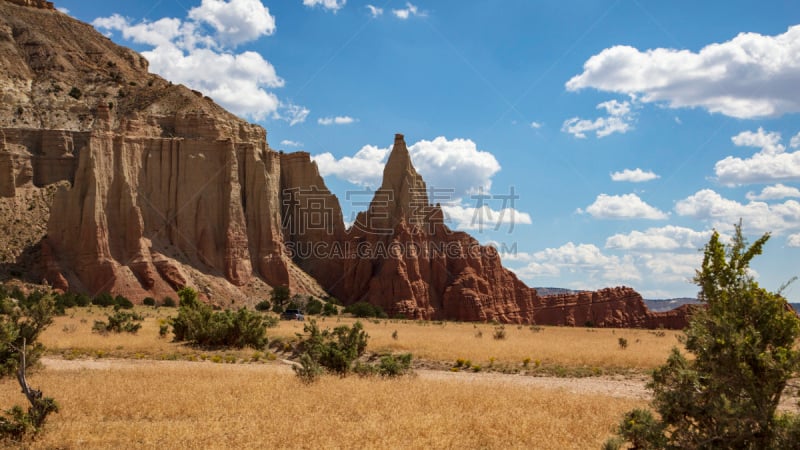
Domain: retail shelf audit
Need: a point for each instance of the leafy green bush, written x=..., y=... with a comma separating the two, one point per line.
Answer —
x=280, y=294
x=336, y=350
x=263, y=305
x=119, y=322
x=168, y=302
x=149, y=301
x=309, y=369
x=395, y=365
x=313, y=307
x=743, y=342
x=103, y=299
x=363, y=309
x=122, y=302
x=199, y=324
x=330, y=309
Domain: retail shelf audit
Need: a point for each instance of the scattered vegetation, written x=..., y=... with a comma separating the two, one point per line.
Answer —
x=199, y=324
x=263, y=306
x=623, y=343
x=743, y=343
x=364, y=310
x=119, y=322
x=105, y=299
x=499, y=332
x=75, y=93
x=337, y=351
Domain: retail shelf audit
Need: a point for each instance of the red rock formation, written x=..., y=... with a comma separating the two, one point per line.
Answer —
x=168, y=189
x=620, y=307
x=400, y=255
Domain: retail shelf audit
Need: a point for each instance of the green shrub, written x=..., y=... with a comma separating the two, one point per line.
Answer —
x=149, y=301
x=280, y=294
x=75, y=93
x=122, y=302
x=330, y=309
x=263, y=305
x=742, y=340
x=363, y=309
x=119, y=322
x=168, y=302
x=309, y=369
x=199, y=324
x=103, y=299
x=336, y=350
x=394, y=365
x=623, y=343
x=313, y=307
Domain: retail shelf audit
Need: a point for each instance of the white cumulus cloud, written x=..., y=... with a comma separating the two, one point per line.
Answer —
x=669, y=237
x=365, y=168
x=793, y=240
x=772, y=163
x=775, y=192
x=374, y=11
x=483, y=218
x=585, y=259
x=618, y=120
x=756, y=216
x=627, y=206
x=331, y=5
x=235, y=21
x=536, y=125
x=338, y=120
x=183, y=52
x=634, y=176
x=751, y=75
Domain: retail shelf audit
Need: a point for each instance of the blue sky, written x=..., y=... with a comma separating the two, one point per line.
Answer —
x=605, y=139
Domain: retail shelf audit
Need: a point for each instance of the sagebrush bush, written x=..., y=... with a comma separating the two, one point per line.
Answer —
x=119, y=322
x=263, y=305
x=394, y=365
x=314, y=307
x=199, y=324
x=364, y=310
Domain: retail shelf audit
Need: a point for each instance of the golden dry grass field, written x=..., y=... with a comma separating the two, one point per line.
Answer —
x=555, y=350
x=116, y=391
x=179, y=404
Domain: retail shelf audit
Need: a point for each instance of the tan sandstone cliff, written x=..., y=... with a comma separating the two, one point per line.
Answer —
x=114, y=179
x=167, y=188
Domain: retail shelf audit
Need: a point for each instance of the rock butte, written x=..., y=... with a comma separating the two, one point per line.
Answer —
x=147, y=187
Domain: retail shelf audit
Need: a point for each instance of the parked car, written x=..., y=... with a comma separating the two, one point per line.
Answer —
x=292, y=314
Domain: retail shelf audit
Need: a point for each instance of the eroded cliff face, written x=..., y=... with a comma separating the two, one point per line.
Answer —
x=619, y=307
x=401, y=256
x=161, y=188
x=113, y=179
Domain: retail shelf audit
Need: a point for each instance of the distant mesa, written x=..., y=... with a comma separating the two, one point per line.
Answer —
x=114, y=179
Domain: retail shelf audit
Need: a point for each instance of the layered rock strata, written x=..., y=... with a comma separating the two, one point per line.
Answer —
x=146, y=187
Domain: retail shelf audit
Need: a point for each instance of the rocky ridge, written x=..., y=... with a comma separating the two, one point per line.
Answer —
x=146, y=187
